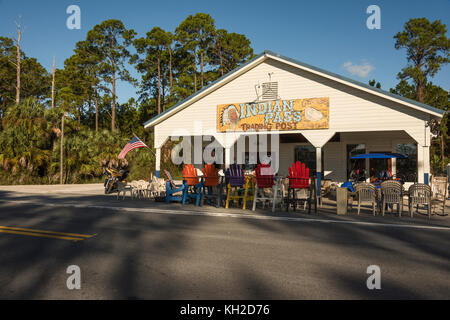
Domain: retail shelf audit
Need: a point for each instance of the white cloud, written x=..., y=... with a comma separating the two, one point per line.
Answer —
x=361, y=70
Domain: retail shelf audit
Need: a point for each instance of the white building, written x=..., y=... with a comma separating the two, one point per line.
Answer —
x=353, y=118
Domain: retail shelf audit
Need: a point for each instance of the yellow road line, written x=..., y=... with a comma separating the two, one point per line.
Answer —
x=49, y=232
x=40, y=235
x=45, y=233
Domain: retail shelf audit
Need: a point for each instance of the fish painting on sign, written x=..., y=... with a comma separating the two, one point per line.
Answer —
x=312, y=114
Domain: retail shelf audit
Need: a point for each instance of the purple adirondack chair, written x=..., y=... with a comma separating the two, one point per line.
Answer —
x=235, y=175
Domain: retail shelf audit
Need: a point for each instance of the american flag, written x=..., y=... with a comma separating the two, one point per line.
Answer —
x=133, y=144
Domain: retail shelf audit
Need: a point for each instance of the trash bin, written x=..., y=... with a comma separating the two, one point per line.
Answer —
x=341, y=200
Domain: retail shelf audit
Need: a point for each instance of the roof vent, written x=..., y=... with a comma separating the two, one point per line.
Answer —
x=270, y=90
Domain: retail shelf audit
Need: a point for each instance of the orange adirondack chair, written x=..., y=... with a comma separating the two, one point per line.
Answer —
x=190, y=175
x=299, y=179
x=211, y=181
x=194, y=184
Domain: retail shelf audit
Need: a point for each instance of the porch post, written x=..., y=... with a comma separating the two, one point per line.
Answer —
x=198, y=150
x=420, y=163
x=228, y=141
x=426, y=164
x=319, y=171
x=426, y=154
x=228, y=156
x=158, y=162
x=423, y=153
x=318, y=139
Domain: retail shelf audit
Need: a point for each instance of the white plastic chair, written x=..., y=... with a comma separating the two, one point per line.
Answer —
x=278, y=193
x=274, y=194
x=123, y=187
x=156, y=187
x=134, y=189
x=141, y=189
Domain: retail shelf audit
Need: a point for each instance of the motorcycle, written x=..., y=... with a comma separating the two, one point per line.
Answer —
x=114, y=176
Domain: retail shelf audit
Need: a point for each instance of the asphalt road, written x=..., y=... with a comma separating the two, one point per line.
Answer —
x=143, y=250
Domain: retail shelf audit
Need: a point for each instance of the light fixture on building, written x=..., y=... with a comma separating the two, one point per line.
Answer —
x=435, y=127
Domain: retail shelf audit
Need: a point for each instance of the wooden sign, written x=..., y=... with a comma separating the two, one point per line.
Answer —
x=281, y=115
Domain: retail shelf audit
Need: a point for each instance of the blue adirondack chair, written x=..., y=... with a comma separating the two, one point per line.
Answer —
x=172, y=189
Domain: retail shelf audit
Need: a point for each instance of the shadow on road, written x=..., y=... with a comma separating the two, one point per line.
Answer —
x=158, y=256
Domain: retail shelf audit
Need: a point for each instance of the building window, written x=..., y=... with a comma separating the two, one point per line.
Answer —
x=251, y=160
x=307, y=155
x=407, y=168
x=356, y=168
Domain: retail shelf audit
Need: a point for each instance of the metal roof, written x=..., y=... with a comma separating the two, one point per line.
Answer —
x=267, y=54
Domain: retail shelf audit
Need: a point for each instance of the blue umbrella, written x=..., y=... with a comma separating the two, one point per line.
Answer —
x=385, y=155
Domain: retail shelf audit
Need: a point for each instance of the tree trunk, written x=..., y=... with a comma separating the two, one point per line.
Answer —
x=443, y=153
x=89, y=114
x=420, y=84
x=53, y=84
x=18, y=65
x=61, y=154
x=159, y=85
x=96, y=108
x=201, y=67
x=419, y=94
x=221, y=62
x=113, y=115
x=170, y=71
x=79, y=118
x=195, y=71
x=163, y=95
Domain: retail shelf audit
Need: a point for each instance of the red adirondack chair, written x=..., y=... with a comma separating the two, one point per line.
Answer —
x=210, y=175
x=264, y=176
x=212, y=185
x=299, y=176
x=299, y=179
x=265, y=179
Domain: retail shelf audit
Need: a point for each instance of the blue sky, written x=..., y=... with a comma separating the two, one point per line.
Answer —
x=328, y=34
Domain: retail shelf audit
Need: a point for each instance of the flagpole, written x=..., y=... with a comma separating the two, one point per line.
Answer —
x=146, y=145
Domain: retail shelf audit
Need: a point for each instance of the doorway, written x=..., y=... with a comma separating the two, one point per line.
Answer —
x=380, y=169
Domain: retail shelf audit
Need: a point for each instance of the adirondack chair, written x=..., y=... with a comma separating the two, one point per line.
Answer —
x=239, y=185
x=299, y=180
x=193, y=183
x=265, y=180
x=212, y=185
x=172, y=189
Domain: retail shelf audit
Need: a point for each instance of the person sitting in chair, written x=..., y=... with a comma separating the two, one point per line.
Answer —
x=385, y=175
x=373, y=177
